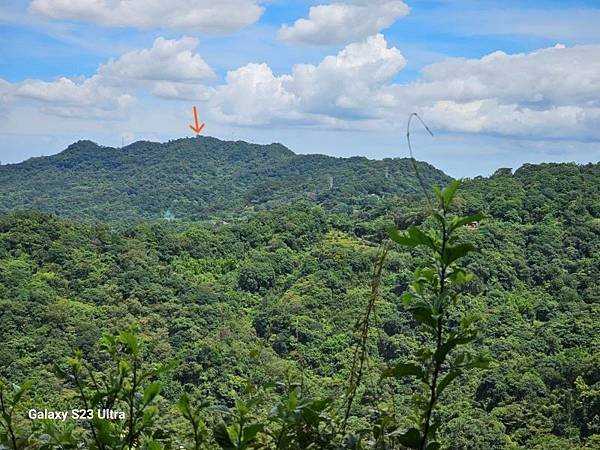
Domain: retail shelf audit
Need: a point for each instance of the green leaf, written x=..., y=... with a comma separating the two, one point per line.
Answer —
x=448, y=193
x=468, y=319
x=21, y=391
x=221, y=435
x=130, y=340
x=151, y=391
x=462, y=221
x=183, y=404
x=437, y=192
x=153, y=445
x=310, y=417
x=149, y=413
x=479, y=362
x=434, y=446
x=320, y=404
x=403, y=370
x=452, y=253
x=435, y=424
x=103, y=429
x=413, y=237
x=420, y=237
x=460, y=277
x=407, y=298
x=424, y=315
x=441, y=219
x=410, y=439
x=251, y=431
x=292, y=399
x=448, y=378
x=442, y=352
x=402, y=239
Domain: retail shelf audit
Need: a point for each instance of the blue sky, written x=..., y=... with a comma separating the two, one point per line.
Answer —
x=342, y=81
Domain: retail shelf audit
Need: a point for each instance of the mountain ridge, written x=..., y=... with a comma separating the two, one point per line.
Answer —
x=197, y=178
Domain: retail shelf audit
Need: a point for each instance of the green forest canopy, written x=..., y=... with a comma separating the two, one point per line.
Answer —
x=293, y=279
x=196, y=178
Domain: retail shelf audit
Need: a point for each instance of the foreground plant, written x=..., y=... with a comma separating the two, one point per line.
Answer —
x=298, y=422
x=193, y=415
x=120, y=402
x=430, y=300
x=12, y=435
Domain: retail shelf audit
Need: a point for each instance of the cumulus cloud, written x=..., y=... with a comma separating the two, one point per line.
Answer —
x=6, y=93
x=552, y=92
x=167, y=60
x=557, y=75
x=208, y=16
x=340, y=23
x=493, y=117
x=549, y=93
x=88, y=98
x=169, y=69
x=181, y=91
x=252, y=95
x=343, y=86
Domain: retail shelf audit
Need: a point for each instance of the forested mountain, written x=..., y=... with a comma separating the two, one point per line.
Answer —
x=196, y=178
x=273, y=296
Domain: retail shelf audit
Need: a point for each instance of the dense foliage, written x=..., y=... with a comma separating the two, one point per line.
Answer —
x=261, y=312
x=197, y=178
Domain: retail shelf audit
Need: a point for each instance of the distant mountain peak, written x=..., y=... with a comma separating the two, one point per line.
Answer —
x=197, y=178
x=191, y=143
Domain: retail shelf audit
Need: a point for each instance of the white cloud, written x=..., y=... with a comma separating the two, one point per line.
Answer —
x=549, y=93
x=167, y=60
x=182, y=91
x=489, y=116
x=351, y=80
x=6, y=93
x=208, y=16
x=552, y=92
x=553, y=76
x=169, y=69
x=341, y=87
x=253, y=95
x=339, y=23
x=88, y=98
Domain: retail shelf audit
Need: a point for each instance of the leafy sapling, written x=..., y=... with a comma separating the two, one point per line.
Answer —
x=192, y=413
x=430, y=300
x=12, y=435
x=241, y=429
x=299, y=422
x=121, y=400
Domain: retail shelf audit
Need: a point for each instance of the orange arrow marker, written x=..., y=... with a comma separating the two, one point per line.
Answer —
x=197, y=128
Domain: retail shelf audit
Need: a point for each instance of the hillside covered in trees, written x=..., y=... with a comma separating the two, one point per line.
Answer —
x=260, y=313
x=196, y=178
